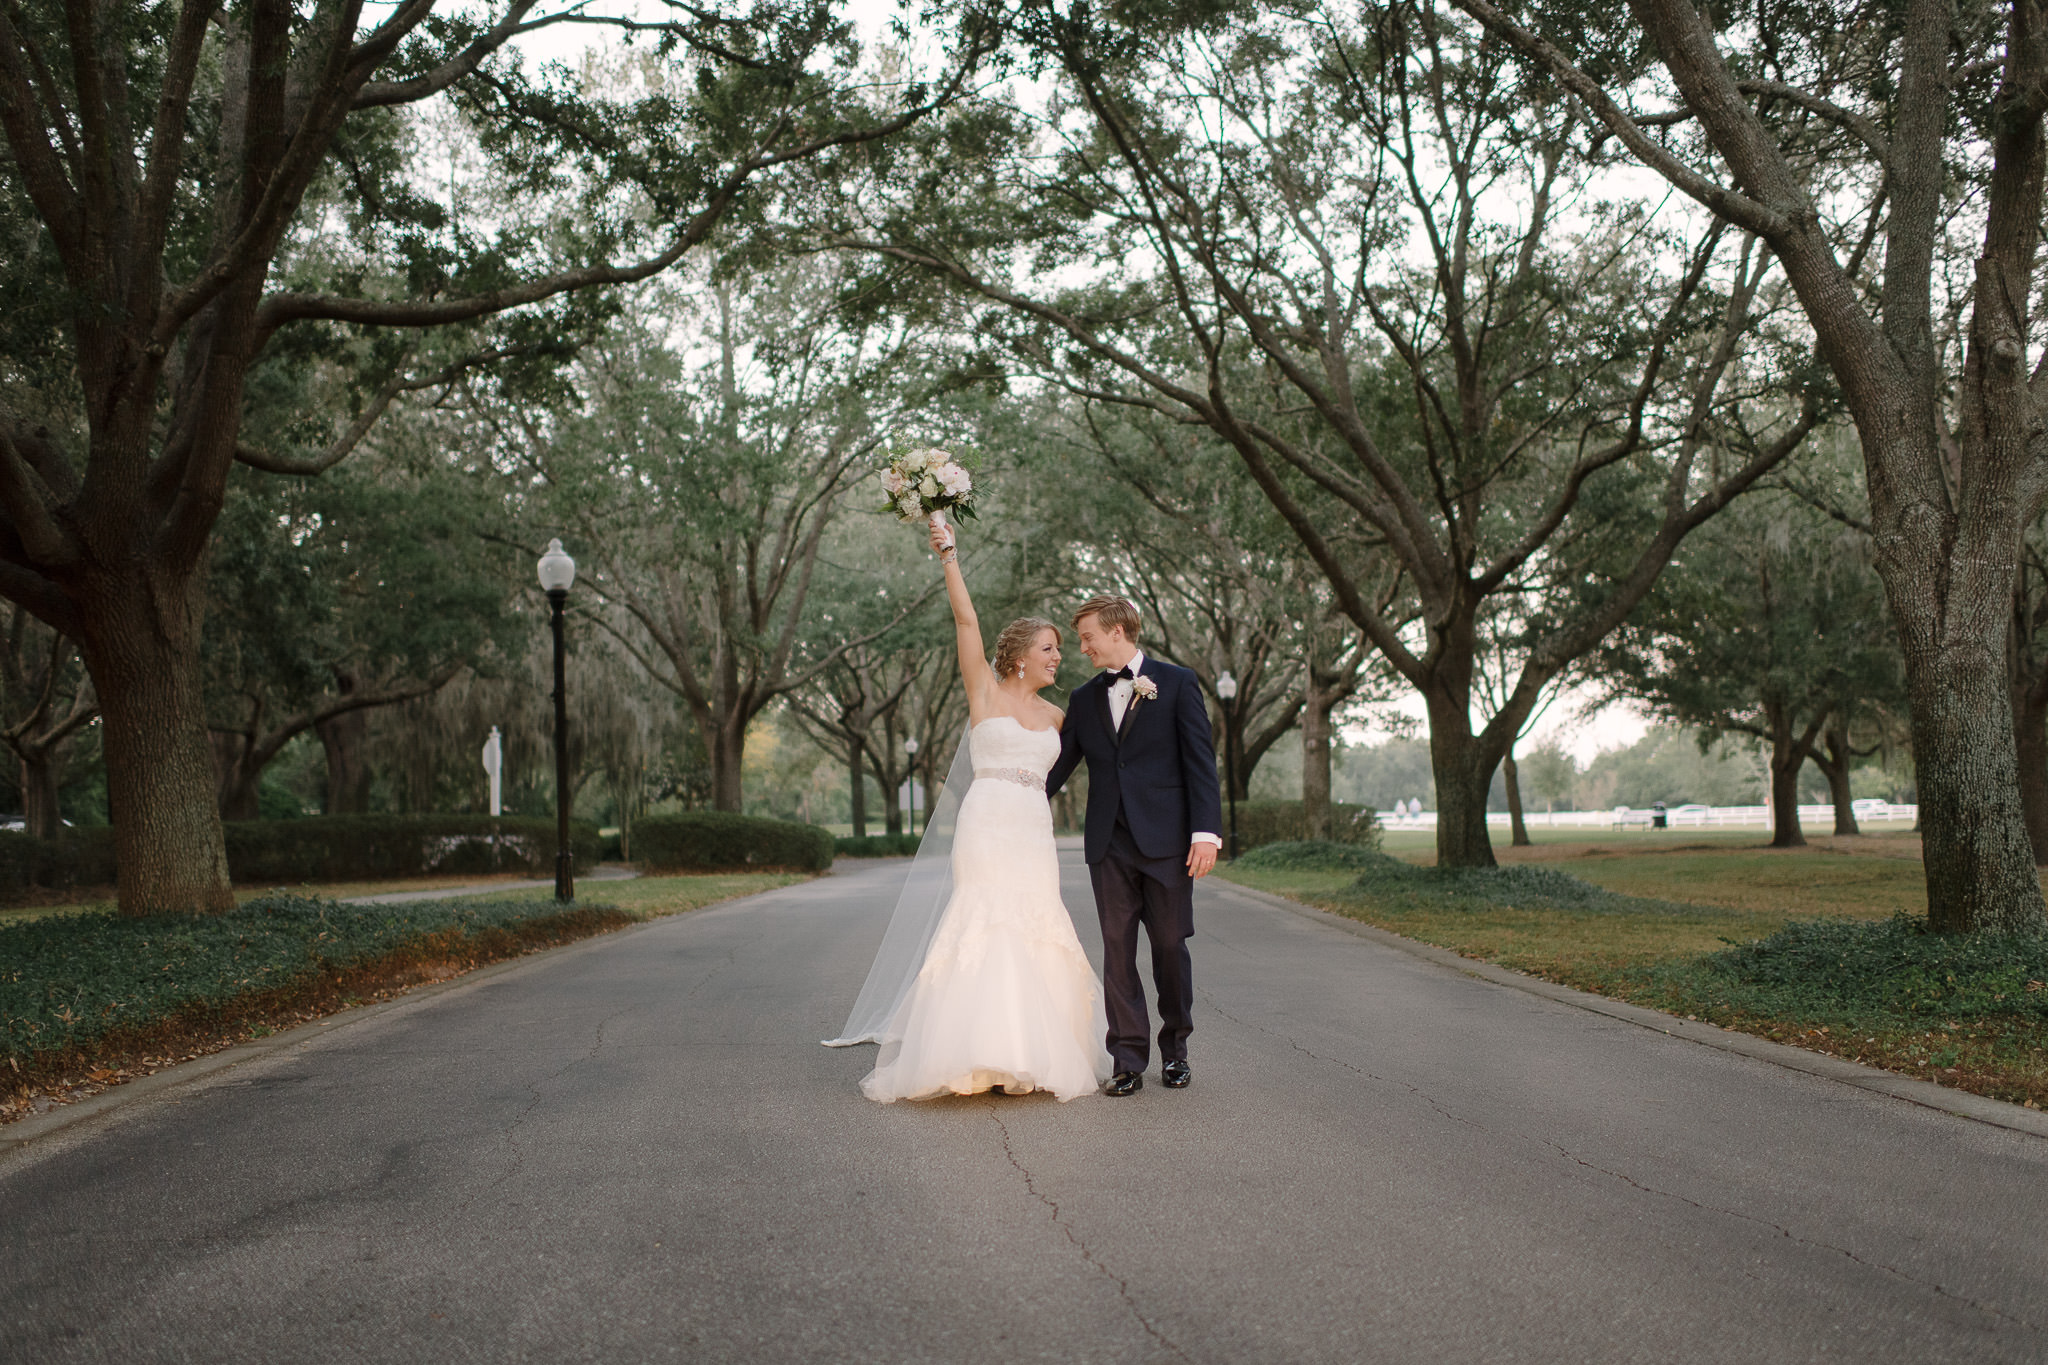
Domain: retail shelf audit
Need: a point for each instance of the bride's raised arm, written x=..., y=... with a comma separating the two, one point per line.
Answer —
x=974, y=669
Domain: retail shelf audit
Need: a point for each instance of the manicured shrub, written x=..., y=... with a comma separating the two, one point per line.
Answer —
x=318, y=849
x=715, y=840
x=362, y=847
x=1278, y=822
x=877, y=846
x=1315, y=855
x=82, y=857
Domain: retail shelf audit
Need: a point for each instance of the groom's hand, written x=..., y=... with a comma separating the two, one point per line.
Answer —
x=1201, y=858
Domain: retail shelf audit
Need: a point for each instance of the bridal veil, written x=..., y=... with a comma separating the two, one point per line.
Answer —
x=919, y=907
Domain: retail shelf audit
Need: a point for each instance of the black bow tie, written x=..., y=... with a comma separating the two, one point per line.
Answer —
x=1123, y=672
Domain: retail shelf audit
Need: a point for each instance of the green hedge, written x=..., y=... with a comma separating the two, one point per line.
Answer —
x=878, y=846
x=319, y=849
x=714, y=840
x=333, y=848
x=1283, y=822
x=82, y=857
x=67, y=980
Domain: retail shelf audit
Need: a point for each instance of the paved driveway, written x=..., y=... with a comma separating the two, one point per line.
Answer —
x=634, y=1149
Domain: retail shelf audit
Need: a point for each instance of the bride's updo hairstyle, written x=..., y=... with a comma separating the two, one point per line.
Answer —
x=1017, y=637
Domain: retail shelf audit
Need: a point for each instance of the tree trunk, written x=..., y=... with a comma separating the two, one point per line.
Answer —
x=1512, y=780
x=1787, y=759
x=1974, y=840
x=345, y=740
x=2030, y=742
x=1835, y=767
x=1315, y=762
x=887, y=780
x=857, y=788
x=161, y=790
x=1463, y=779
x=239, y=791
x=40, y=769
x=1236, y=773
x=728, y=755
x=893, y=819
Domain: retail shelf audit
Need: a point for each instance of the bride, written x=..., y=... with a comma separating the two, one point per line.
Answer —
x=1003, y=997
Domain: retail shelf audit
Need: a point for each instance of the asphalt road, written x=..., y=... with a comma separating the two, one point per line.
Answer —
x=635, y=1149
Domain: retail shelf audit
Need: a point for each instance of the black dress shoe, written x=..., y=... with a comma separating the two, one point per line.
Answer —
x=1175, y=1075
x=1124, y=1083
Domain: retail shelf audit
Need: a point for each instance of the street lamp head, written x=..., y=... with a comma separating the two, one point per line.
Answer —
x=1226, y=686
x=557, y=570
x=910, y=746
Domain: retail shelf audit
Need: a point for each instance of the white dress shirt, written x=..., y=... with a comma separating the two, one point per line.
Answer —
x=1120, y=693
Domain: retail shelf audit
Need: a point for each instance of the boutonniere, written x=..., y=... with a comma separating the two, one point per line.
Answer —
x=1143, y=689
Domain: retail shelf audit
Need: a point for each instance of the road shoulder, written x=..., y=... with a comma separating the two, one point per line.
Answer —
x=1958, y=1103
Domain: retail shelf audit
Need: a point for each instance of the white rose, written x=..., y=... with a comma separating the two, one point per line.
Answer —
x=928, y=486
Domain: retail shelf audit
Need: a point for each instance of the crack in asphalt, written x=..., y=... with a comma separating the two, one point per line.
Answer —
x=1123, y=1288
x=533, y=1090
x=1795, y=1237
x=1626, y=1179
x=721, y=961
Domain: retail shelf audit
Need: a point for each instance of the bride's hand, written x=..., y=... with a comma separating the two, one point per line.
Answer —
x=942, y=537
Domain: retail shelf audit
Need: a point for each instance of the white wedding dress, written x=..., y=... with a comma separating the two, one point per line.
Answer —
x=1005, y=996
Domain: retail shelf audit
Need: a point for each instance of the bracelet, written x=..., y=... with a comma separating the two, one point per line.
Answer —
x=948, y=555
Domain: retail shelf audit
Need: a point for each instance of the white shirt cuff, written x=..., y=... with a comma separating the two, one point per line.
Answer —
x=1204, y=837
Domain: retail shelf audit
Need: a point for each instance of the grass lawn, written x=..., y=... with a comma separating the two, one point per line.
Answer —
x=1655, y=919
x=89, y=999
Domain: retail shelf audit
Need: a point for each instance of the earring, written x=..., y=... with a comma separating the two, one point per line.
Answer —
x=1020, y=670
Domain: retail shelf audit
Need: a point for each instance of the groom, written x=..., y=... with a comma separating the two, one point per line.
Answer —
x=1152, y=801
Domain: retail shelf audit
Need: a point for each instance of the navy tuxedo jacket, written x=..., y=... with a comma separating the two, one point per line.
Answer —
x=1160, y=772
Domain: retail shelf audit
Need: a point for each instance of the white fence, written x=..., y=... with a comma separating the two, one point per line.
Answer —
x=1678, y=817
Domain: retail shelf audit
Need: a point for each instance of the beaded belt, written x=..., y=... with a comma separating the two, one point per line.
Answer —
x=1023, y=777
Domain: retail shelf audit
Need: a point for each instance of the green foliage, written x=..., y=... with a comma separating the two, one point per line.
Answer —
x=705, y=841
x=359, y=847
x=80, y=857
x=66, y=980
x=1404, y=886
x=1674, y=765
x=1309, y=855
x=1768, y=619
x=877, y=846
x=317, y=849
x=1273, y=822
x=1833, y=968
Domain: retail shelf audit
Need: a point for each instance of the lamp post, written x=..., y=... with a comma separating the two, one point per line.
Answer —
x=1226, y=691
x=910, y=752
x=557, y=573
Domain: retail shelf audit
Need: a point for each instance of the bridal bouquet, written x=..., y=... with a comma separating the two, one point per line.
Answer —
x=924, y=484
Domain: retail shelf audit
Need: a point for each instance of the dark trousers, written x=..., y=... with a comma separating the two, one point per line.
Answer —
x=1130, y=890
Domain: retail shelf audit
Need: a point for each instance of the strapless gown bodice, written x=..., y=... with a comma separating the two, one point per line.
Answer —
x=1005, y=743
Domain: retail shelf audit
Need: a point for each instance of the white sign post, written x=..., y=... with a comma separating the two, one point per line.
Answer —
x=494, y=764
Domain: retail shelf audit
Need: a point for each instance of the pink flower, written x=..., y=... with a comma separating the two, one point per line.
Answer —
x=1144, y=687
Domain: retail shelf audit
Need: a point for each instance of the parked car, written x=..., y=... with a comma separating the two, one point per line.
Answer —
x=1871, y=808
